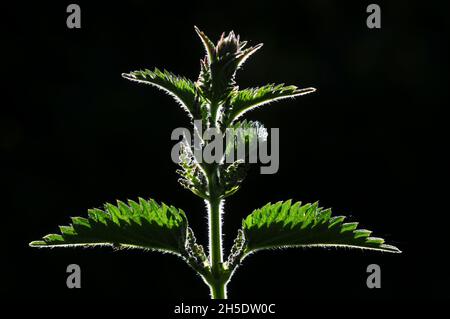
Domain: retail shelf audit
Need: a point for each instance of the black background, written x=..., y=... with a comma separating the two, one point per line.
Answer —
x=369, y=143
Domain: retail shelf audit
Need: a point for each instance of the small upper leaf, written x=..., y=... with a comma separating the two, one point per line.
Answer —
x=180, y=88
x=285, y=225
x=192, y=175
x=248, y=99
x=244, y=135
x=210, y=48
x=146, y=225
x=218, y=69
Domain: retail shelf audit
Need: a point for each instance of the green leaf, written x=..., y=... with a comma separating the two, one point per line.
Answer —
x=180, y=88
x=284, y=224
x=144, y=224
x=210, y=48
x=247, y=53
x=218, y=69
x=192, y=176
x=248, y=99
x=244, y=134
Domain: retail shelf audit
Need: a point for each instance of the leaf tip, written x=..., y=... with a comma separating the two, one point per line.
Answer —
x=305, y=91
x=128, y=76
x=37, y=243
x=391, y=249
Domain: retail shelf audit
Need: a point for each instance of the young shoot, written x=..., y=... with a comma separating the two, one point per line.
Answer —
x=213, y=168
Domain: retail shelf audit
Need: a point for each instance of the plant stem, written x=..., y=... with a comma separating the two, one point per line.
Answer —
x=218, y=282
x=218, y=290
x=215, y=235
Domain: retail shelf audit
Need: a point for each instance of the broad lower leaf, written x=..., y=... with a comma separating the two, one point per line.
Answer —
x=248, y=99
x=180, y=88
x=144, y=224
x=285, y=225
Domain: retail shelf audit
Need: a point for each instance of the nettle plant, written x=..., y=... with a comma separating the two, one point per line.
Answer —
x=216, y=102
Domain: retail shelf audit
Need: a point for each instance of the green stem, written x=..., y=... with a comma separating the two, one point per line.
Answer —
x=214, y=107
x=217, y=282
x=215, y=236
x=218, y=290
